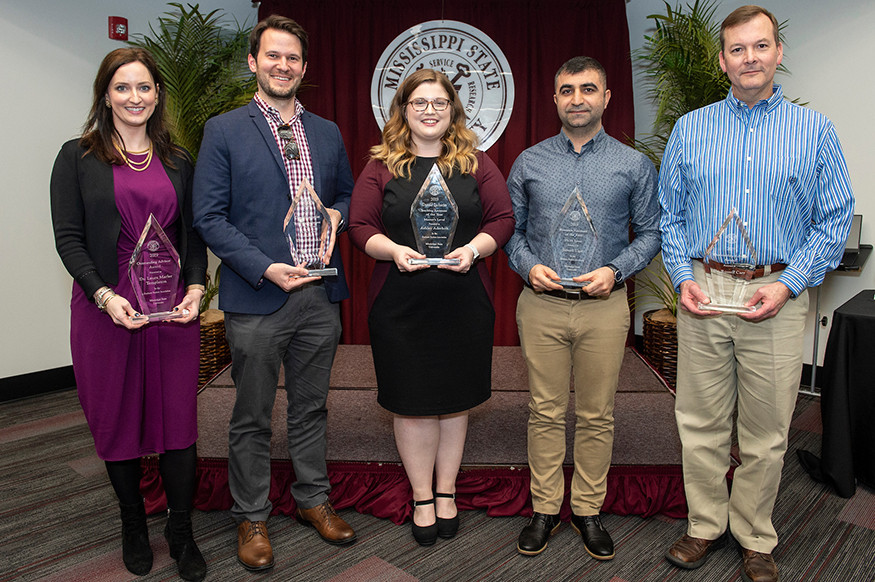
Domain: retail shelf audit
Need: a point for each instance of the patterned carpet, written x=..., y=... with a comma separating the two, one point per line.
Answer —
x=59, y=521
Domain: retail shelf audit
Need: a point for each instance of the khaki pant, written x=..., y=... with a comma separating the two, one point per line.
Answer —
x=558, y=335
x=722, y=361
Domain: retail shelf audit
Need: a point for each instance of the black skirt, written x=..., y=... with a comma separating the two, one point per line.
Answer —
x=431, y=335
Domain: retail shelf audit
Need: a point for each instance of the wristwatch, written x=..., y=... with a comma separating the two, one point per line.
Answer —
x=475, y=251
x=618, y=275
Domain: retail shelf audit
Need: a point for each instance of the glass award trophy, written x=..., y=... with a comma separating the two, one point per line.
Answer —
x=154, y=273
x=314, y=224
x=728, y=272
x=574, y=241
x=434, y=215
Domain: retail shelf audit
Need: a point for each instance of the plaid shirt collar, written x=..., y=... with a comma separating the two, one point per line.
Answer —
x=273, y=114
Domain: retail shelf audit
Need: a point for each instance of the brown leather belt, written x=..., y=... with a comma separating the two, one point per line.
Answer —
x=578, y=295
x=759, y=270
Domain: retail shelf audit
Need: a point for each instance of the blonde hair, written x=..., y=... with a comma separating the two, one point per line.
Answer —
x=396, y=149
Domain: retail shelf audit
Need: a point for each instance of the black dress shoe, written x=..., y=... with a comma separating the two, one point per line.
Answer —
x=447, y=527
x=596, y=540
x=425, y=535
x=533, y=538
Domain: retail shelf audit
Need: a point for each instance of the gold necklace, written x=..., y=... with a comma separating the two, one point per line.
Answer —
x=136, y=166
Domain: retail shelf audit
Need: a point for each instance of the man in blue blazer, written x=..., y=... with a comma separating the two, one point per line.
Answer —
x=251, y=163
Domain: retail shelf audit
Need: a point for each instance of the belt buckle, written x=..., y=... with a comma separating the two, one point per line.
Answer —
x=739, y=270
x=572, y=294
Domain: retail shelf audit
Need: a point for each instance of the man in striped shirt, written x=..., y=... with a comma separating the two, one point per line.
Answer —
x=782, y=168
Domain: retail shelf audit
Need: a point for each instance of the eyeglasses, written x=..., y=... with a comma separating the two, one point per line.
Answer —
x=422, y=104
x=290, y=147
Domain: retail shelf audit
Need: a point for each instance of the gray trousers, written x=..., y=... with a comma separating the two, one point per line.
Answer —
x=302, y=336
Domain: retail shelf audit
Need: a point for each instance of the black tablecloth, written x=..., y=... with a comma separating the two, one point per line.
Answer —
x=848, y=398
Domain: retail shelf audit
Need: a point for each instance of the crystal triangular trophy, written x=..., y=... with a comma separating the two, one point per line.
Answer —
x=309, y=232
x=574, y=240
x=154, y=273
x=730, y=261
x=434, y=215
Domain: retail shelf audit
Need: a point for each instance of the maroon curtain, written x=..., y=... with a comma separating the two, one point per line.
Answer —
x=347, y=38
x=382, y=489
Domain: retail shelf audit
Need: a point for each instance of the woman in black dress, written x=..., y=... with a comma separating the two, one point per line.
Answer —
x=431, y=328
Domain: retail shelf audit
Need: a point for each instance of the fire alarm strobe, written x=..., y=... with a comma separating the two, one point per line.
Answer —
x=118, y=28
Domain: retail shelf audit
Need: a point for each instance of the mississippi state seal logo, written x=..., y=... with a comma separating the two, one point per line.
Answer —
x=471, y=60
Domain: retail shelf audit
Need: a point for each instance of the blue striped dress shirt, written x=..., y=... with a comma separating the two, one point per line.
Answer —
x=780, y=165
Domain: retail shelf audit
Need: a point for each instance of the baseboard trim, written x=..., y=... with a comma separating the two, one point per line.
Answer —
x=37, y=383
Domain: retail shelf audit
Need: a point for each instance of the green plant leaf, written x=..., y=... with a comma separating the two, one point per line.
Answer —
x=204, y=66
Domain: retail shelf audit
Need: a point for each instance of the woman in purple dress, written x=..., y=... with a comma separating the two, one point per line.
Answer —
x=137, y=381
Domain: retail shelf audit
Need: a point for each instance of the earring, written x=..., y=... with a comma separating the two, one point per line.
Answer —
x=106, y=100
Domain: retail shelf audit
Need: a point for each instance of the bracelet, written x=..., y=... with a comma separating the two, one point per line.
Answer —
x=198, y=287
x=111, y=297
x=98, y=295
x=101, y=305
x=473, y=250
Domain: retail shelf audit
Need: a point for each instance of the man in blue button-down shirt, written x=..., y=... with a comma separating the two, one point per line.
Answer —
x=584, y=330
x=781, y=167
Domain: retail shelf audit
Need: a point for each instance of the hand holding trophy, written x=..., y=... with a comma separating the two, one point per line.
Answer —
x=574, y=240
x=729, y=271
x=307, y=215
x=154, y=273
x=434, y=215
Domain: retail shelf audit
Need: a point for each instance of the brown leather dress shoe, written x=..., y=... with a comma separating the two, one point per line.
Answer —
x=758, y=567
x=689, y=552
x=330, y=526
x=253, y=546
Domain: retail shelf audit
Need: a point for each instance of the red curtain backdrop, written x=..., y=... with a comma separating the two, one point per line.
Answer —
x=347, y=38
x=382, y=489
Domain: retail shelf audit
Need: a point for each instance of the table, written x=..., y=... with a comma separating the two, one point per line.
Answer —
x=848, y=399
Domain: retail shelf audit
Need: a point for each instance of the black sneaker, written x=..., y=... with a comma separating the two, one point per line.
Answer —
x=533, y=538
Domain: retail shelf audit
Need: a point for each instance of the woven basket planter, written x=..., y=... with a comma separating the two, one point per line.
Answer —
x=661, y=343
x=215, y=353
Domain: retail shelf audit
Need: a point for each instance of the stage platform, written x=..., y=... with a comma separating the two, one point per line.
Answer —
x=365, y=469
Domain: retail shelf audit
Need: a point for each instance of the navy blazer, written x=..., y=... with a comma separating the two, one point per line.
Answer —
x=242, y=195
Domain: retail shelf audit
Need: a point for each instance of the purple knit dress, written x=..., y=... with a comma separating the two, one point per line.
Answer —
x=138, y=388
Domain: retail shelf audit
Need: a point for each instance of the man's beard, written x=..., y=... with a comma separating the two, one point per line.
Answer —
x=273, y=93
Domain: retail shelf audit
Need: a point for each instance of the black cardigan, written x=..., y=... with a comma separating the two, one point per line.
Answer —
x=87, y=222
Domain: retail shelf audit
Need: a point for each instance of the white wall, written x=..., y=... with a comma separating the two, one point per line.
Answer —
x=827, y=52
x=51, y=50
x=50, y=53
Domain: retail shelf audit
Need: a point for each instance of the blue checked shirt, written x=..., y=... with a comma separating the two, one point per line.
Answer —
x=618, y=185
x=779, y=164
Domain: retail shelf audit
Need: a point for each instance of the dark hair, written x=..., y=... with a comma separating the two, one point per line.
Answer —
x=579, y=65
x=277, y=23
x=743, y=15
x=396, y=148
x=99, y=130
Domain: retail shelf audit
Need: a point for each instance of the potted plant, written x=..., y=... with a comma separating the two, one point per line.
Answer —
x=204, y=68
x=660, y=339
x=205, y=74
